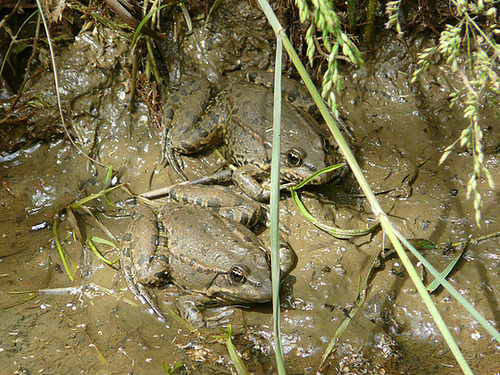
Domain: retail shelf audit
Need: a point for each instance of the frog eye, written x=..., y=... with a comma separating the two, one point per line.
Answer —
x=294, y=158
x=238, y=274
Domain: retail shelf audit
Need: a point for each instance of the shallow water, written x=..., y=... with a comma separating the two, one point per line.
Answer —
x=94, y=325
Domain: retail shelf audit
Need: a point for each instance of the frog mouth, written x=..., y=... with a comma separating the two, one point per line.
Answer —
x=294, y=176
x=257, y=293
x=227, y=297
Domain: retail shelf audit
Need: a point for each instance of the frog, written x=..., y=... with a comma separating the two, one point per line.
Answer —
x=241, y=117
x=200, y=241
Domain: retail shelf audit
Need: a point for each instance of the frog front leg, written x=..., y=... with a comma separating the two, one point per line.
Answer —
x=247, y=179
x=190, y=308
x=194, y=128
x=141, y=265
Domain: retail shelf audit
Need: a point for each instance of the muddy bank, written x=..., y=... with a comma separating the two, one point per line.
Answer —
x=94, y=325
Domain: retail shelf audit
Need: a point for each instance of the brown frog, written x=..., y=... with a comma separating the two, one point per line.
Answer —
x=241, y=117
x=215, y=259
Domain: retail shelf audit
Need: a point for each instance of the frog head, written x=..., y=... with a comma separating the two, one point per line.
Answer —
x=247, y=281
x=302, y=157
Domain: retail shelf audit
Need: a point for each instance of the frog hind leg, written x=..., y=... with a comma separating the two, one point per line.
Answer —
x=152, y=269
x=222, y=200
x=138, y=289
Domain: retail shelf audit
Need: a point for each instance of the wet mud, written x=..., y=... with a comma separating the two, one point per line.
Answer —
x=94, y=325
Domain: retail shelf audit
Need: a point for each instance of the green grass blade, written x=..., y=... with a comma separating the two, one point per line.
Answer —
x=343, y=234
x=173, y=368
x=335, y=232
x=62, y=253
x=107, y=180
x=480, y=319
x=187, y=17
x=97, y=253
x=330, y=168
x=144, y=21
x=235, y=356
x=101, y=193
x=274, y=209
x=436, y=283
x=108, y=175
x=214, y=6
x=391, y=233
x=303, y=210
x=108, y=201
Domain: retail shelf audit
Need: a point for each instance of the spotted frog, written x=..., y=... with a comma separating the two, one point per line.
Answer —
x=241, y=117
x=198, y=242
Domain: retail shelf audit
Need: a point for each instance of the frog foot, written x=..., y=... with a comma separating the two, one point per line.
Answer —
x=246, y=178
x=190, y=306
x=173, y=157
x=221, y=318
x=288, y=258
x=142, y=293
x=148, y=298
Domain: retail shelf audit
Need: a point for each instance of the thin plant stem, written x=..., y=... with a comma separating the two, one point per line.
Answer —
x=274, y=209
x=375, y=206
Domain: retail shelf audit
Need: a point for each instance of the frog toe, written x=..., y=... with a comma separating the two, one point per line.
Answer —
x=174, y=159
x=219, y=319
x=288, y=258
x=147, y=298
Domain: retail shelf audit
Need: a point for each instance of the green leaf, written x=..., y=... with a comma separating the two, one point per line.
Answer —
x=435, y=284
x=62, y=253
x=101, y=193
x=98, y=254
x=235, y=356
x=108, y=175
x=144, y=21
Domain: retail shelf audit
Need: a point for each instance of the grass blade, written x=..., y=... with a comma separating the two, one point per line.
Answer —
x=436, y=283
x=240, y=367
x=101, y=193
x=480, y=319
x=343, y=234
x=335, y=232
x=144, y=21
x=97, y=253
x=61, y=251
x=274, y=209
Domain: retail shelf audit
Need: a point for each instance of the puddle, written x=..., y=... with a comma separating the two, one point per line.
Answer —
x=94, y=325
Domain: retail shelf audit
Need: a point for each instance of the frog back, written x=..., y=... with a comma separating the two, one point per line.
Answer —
x=248, y=133
x=213, y=255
